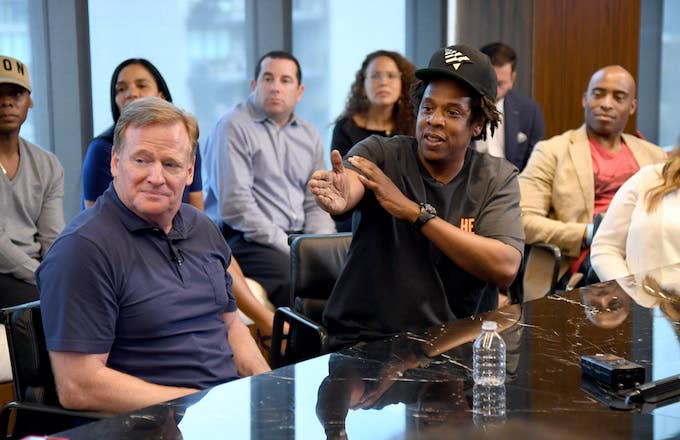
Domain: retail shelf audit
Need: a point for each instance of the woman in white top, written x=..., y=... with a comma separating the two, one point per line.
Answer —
x=641, y=230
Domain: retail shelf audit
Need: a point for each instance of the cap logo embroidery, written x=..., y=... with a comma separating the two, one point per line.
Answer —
x=455, y=58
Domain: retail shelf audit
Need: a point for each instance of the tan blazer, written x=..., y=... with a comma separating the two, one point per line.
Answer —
x=557, y=187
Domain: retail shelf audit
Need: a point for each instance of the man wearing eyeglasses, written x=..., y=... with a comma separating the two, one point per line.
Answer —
x=256, y=165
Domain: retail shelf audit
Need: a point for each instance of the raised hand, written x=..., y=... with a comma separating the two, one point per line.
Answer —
x=331, y=188
x=386, y=192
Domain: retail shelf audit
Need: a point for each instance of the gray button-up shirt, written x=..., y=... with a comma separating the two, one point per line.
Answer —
x=255, y=176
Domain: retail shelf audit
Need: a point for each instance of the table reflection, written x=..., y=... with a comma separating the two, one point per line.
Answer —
x=607, y=305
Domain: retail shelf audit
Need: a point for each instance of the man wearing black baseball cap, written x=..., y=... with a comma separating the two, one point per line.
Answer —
x=437, y=228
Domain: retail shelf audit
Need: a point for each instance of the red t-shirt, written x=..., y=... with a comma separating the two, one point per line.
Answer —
x=610, y=171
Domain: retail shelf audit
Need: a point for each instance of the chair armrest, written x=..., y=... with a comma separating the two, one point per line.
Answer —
x=43, y=409
x=557, y=254
x=296, y=322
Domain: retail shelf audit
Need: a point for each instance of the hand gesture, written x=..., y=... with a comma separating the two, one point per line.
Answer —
x=331, y=188
x=386, y=192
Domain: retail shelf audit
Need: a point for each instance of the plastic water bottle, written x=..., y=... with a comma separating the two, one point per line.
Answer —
x=488, y=358
x=488, y=406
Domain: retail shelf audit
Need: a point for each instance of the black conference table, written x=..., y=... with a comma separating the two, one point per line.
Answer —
x=418, y=385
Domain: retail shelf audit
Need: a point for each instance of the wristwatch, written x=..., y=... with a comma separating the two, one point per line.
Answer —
x=427, y=213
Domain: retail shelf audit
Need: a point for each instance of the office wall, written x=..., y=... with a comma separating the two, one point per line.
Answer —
x=572, y=39
x=480, y=22
x=559, y=43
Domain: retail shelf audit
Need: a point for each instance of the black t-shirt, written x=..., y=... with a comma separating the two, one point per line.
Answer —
x=395, y=279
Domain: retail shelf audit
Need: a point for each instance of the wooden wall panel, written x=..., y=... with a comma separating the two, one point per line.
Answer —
x=480, y=22
x=559, y=44
x=572, y=39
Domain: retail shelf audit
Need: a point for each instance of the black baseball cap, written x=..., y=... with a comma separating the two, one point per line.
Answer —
x=464, y=64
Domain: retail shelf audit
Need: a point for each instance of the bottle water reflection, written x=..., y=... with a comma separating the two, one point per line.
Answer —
x=488, y=406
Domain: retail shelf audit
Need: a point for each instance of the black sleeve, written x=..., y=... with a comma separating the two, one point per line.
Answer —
x=341, y=140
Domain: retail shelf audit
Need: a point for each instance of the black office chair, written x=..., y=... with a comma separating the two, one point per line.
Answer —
x=541, y=270
x=316, y=262
x=36, y=408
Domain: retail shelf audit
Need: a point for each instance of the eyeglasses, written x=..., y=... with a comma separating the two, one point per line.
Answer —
x=390, y=76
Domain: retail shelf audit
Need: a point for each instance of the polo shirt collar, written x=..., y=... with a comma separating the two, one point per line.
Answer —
x=134, y=223
x=259, y=116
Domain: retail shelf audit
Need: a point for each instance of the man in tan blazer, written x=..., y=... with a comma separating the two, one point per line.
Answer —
x=573, y=176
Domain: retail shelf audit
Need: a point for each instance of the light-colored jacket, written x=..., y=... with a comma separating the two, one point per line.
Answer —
x=557, y=188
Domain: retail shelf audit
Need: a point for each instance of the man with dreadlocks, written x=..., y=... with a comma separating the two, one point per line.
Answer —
x=437, y=227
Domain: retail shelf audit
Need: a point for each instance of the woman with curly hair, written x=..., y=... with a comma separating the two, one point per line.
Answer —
x=641, y=229
x=378, y=101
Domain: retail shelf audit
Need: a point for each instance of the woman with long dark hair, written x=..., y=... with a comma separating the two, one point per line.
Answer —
x=132, y=79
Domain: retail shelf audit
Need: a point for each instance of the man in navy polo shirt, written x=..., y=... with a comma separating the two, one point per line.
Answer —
x=135, y=296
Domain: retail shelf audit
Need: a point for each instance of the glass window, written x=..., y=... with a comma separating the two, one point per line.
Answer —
x=197, y=45
x=21, y=37
x=669, y=93
x=451, y=8
x=331, y=39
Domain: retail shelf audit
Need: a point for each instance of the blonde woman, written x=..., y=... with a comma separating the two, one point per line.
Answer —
x=641, y=230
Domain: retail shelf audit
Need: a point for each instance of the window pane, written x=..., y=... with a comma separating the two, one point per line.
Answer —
x=331, y=39
x=669, y=92
x=197, y=45
x=21, y=37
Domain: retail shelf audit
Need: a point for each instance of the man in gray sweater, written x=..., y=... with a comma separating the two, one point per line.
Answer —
x=31, y=191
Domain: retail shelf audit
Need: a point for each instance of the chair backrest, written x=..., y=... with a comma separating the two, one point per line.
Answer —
x=541, y=271
x=316, y=262
x=33, y=379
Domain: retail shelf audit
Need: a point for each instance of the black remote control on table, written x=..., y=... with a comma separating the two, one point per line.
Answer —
x=612, y=370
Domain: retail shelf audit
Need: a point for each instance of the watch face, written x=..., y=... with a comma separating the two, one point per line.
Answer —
x=427, y=213
x=429, y=208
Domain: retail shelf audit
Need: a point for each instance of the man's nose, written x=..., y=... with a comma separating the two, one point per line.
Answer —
x=436, y=118
x=276, y=85
x=155, y=174
x=607, y=101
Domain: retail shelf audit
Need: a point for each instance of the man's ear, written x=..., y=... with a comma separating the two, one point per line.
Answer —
x=633, y=106
x=477, y=127
x=114, y=162
x=253, y=83
x=190, y=172
x=301, y=91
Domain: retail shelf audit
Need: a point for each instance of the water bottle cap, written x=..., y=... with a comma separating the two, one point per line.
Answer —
x=489, y=325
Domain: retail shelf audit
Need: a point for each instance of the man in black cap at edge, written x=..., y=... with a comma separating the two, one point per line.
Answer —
x=437, y=227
